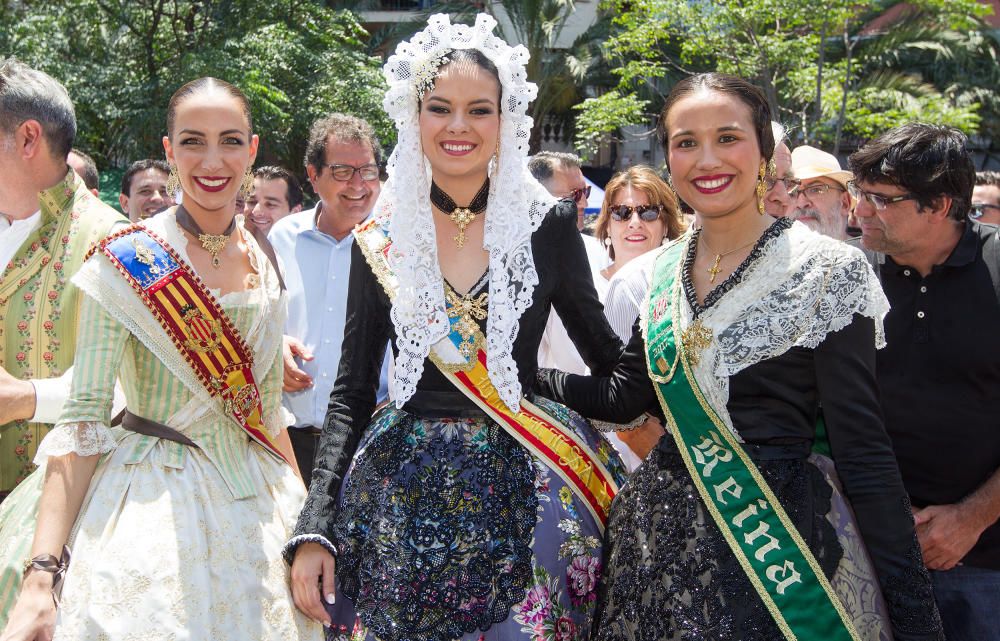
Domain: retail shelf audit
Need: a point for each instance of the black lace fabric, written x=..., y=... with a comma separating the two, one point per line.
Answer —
x=669, y=574
x=907, y=593
x=734, y=279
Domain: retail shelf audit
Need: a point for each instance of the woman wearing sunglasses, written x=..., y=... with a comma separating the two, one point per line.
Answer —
x=638, y=214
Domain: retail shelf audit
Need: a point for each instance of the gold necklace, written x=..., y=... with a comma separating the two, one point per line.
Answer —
x=212, y=243
x=467, y=309
x=714, y=270
x=461, y=216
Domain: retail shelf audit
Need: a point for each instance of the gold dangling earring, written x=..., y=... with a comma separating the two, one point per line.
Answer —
x=247, y=185
x=173, y=182
x=761, y=188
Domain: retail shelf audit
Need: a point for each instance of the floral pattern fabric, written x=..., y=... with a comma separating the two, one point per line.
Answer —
x=449, y=529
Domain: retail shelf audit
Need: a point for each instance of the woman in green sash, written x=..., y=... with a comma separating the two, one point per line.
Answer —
x=753, y=329
x=176, y=519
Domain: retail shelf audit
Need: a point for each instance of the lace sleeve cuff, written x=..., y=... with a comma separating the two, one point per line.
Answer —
x=288, y=552
x=604, y=426
x=83, y=439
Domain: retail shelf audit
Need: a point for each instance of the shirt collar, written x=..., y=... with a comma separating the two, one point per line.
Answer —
x=314, y=220
x=56, y=198
x=965, y=251
x=962, y=254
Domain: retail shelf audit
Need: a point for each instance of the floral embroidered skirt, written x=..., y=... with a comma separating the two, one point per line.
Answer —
x=669, y=574
x=450, y=529
x=163, y=551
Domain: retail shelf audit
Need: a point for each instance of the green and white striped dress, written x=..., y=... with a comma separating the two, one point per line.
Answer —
x=171, y=541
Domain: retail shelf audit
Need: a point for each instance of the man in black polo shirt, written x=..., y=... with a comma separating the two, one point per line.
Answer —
x=940, y=372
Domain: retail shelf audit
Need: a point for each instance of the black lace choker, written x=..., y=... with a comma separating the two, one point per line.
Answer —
x=461, y=216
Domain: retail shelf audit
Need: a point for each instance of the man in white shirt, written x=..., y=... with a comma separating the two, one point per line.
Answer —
x=561, y=175
x=48, y=221
x=314, y=247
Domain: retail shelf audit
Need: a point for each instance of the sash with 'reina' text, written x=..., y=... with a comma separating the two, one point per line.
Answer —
x=772, y=553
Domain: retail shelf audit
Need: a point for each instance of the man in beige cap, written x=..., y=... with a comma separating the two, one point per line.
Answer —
x=820, y=199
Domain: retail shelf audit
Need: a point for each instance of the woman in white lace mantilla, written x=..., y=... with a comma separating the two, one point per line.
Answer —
x=779, y=326
x=433, y=519
x=176, y=523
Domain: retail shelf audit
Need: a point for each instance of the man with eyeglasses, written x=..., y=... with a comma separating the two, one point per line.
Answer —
x=342, y=162
x=939, y=373
x=986, y=198
x=819, y=193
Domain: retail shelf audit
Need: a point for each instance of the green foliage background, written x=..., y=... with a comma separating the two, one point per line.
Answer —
x=831, y=81
x=122, y=59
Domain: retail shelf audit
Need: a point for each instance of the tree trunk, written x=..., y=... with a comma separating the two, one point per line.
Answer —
x=818, y=107
x=849, y=48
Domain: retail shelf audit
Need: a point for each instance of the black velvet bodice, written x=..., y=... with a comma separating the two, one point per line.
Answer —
x=565, y=283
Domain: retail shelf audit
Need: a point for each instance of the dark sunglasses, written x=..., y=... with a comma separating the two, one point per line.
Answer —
x=978, y=209
x=579, y=195
x=647, y=213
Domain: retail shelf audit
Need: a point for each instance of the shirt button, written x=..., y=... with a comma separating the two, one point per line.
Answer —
x=329, y=309
x=923, y=289
x=326, y=340
x=920, y=314
x=323, y=374
x=906, y=272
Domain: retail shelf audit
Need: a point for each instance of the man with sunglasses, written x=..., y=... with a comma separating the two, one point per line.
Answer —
x=986, y=198
x=819, y=195
x=939, y=374
x=342, y=162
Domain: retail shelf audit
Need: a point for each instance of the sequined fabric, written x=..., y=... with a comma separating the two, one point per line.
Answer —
x=670, y=575
x=449, y=529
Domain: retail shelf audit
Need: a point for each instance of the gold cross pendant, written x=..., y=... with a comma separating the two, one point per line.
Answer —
x=462, y=216
x=714, y=271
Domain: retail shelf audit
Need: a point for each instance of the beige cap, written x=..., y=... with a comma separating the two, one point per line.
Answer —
x=809, y=162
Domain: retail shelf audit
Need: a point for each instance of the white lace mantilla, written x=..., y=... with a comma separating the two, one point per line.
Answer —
x=517, y=205
x=100, y=280
x=801, y=288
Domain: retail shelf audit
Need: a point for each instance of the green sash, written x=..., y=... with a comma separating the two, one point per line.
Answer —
x=777, y=561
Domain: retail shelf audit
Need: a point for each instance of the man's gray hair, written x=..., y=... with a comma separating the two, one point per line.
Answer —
x=545, y=163
x=29, y=94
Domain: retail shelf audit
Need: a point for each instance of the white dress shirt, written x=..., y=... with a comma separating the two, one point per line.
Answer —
x=316, y=268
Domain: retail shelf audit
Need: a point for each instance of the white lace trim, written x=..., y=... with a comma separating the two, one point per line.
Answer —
x=517, y=205
x=803, y=287
x=83, y=439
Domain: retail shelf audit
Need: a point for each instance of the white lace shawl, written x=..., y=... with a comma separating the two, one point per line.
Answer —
x=517, y=205
x=802, y=287
x=100, y=280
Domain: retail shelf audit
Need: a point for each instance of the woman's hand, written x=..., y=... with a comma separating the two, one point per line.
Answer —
x=34, y=615
x=312, y=564
x=644, y=438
